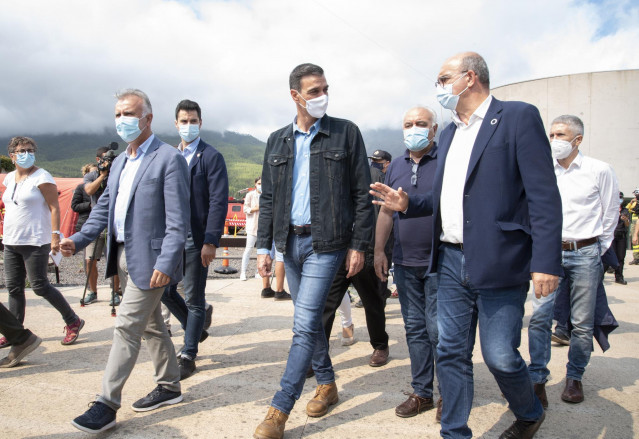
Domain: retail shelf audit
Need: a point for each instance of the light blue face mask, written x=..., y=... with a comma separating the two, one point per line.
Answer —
x=416, y=138
x=128, y=128
x=25, y=160
x=189, y=132
x=445, y=94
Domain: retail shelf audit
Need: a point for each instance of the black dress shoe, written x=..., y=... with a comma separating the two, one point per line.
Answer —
x=540, y=391
x=187, y=367
x=620, y=280
x=573, y=392
x=523, y=429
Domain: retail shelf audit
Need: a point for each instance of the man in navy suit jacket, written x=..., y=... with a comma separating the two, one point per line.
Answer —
x=145, y=210
x=497, y=222
x=208, y=201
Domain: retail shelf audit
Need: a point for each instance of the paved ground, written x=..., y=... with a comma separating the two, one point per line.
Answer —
x=241, y=363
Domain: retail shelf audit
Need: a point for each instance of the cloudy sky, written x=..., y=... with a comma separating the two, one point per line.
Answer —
x=63, y=60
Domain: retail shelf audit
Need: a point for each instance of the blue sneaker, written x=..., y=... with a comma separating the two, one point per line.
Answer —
x=98, y=418
x=156, y=399
x=115, y=300
x=91, y=297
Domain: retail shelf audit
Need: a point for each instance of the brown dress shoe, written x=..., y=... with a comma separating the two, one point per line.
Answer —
x=379, y=357
x=573, y=392
x=540, y=391
x=414, y=405
x=325, y=396
x=272, y=427
x=438, y=415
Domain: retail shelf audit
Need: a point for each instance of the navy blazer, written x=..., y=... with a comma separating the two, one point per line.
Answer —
x=512, y=206
x=157, y=216
x=209, y=195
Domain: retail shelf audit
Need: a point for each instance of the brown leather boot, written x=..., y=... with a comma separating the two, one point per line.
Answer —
x=540, y=391
x=272, y=427
x=573, y=392
x=325, y=396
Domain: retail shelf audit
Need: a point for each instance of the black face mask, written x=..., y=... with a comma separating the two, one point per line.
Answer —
x=377, y=165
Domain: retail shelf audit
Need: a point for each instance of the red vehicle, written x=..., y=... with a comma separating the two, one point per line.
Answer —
x=235, y=215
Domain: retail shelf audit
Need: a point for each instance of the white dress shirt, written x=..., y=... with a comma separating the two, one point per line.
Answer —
x=589, y=199
x=127, y=176
x=452, y=198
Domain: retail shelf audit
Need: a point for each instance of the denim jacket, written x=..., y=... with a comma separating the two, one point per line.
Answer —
x=342, y=214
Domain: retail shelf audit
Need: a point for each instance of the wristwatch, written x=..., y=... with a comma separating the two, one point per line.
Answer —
x=57, y=232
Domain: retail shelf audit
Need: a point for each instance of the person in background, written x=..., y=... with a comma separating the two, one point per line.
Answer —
x=251, y=209
x=620, y=241
x=633, y=208
x=31, y=231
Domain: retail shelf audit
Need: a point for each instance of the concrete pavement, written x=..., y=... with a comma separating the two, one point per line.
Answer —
x=240, y=365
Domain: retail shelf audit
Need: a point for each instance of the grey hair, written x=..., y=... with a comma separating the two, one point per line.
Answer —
x=475, y=62
x=573, y=122
x=430, y=110
x=146, y=103
x=295, y=79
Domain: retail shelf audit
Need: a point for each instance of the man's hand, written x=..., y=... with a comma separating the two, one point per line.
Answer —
x=159, y=279
x=388, y=197
x=354, y=262
x=264, y=264
x=67, y=247
x=208, y=254
x=544, y=284
x=381, y=265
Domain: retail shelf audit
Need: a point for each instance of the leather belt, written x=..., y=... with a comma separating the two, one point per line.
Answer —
x=300, y=230
x=458, y=246
x=576, y=245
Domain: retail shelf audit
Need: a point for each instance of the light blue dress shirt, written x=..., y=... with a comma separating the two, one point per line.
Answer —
x=189, y=151
x=301, y=205
x=127, y=176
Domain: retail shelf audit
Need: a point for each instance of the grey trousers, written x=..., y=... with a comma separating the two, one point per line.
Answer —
x=139, y=315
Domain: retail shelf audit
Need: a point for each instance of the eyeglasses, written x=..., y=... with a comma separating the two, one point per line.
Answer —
x=22, y=151
x=442, y=80
x=413, y=178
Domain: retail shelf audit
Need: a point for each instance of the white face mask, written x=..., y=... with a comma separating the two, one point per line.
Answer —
x=562, y=148
x=316, y=107
x=258, y=188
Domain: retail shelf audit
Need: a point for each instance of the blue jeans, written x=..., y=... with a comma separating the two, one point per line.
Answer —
x=499, y=312
x=309, y=277
x=583, y=272
x=418, y=300
x=190, y=313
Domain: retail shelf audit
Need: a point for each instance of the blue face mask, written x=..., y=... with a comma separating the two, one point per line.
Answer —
x=25, y=160
x=128, y=128
x=416, y=138
x=377, y=165
x=446, y=97
x=189, y=132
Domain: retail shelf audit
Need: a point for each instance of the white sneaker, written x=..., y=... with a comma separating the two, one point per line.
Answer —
x=243, y=276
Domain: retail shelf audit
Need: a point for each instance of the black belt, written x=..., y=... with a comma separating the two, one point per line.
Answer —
x=300, y=230
x=458, y=246
x=576, y=245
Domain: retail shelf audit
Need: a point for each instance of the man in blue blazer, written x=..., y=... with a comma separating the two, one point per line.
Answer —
x=145, y=210
x=209, y=186
x=497, y=223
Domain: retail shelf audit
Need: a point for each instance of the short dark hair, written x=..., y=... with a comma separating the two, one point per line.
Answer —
x=477, y=64
x=101, y=150
x=258, y=179
x=295, y=79
x=20, y=140
x=188, y=105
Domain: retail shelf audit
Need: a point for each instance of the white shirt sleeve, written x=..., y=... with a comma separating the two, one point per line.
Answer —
x=609, y=193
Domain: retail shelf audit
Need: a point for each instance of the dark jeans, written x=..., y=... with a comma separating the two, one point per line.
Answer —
x=417, y=290
x=499, y=313
x=11, y=328
x=190, y=311
x=371, y=290
x=22, y=261
x=618, y=245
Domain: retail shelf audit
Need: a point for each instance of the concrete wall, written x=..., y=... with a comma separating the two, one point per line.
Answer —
x=607, y=102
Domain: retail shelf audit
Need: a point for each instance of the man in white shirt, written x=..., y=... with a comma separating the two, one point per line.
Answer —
x=590, y=201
